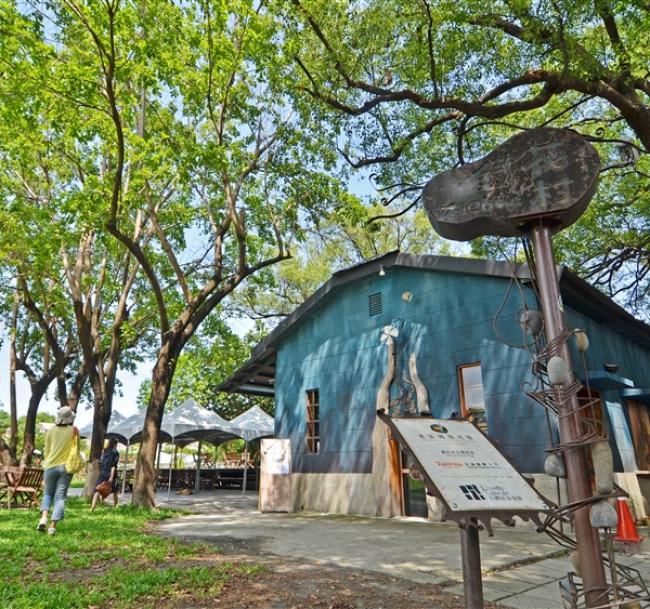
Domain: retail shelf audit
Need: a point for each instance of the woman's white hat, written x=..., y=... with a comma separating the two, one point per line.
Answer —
x=65, y=416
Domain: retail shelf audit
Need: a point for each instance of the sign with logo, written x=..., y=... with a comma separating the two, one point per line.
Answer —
x=542, y=173
x=468, y=471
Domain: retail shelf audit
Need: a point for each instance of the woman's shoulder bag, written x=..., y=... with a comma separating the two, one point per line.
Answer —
x=75, y=461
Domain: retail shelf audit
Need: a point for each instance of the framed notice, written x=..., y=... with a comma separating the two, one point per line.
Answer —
x=276, y=456
x=276, y=491
x=467, y=470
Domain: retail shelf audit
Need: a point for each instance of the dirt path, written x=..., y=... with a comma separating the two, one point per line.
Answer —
x=293, y=584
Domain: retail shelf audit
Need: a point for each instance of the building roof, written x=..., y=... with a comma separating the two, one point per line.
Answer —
x=257, y=375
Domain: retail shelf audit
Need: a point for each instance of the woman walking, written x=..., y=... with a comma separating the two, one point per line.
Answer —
x=108, y=471
x=59, y=441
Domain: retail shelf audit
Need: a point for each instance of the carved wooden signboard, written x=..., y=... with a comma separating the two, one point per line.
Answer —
x=541, y=173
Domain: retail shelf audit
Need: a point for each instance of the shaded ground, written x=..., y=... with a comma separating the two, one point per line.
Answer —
x=290, y=586
x=282, y=584
x=330, y=561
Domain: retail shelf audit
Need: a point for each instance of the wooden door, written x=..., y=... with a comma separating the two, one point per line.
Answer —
x=395, y=474
x=640, y=424
x=593, y=413
x=414, y=494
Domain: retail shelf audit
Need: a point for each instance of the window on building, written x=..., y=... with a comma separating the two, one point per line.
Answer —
x=313, y=421
x=470, y=386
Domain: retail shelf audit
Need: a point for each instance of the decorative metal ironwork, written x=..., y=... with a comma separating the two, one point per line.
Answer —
x=625, y=584
x=535, y=184
x=626, y=587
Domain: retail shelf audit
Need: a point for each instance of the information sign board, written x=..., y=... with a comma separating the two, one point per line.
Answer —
x=276, y=491
x=276, y=456
x=468, y=471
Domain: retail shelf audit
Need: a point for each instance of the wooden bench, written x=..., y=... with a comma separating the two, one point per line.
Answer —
x=22, y=488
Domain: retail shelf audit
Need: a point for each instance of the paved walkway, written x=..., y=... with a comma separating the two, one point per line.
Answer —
x=411, y=548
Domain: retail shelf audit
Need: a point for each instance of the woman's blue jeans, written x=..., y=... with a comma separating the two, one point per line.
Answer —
x=57, y=481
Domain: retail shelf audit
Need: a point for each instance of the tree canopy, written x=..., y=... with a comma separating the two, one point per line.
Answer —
x=411, y=88
x=157, y=156
x=179, y=155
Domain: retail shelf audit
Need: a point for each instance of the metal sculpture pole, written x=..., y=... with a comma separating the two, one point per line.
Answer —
x=537, y=183
x=570, y=425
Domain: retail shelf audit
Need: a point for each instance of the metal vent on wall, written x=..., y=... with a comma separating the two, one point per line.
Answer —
x=374, y=304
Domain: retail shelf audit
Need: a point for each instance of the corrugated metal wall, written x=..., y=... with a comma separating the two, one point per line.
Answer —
x=449, y=321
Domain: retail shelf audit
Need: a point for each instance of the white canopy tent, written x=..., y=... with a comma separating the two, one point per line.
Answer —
x=253, y=424
x=191, y=423
x=116, y=418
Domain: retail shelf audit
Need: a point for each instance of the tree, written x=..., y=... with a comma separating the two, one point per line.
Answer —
x=355, y=233
x=55, y=177
x=42, y=347
x=412, y=88
x=209, y=357
x=198, y=126
x=39, y=436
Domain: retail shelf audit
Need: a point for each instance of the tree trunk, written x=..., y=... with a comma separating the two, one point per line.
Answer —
x=38, y=391
x=7, y=456
x=13, y=404
x=145, y=468
x=75, y=391
x=101, y=416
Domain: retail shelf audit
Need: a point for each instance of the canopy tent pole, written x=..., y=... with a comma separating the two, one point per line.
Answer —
x=243, y=486
x=126, y=461
x=198, y=470
x=158, y=462
x=172, y=458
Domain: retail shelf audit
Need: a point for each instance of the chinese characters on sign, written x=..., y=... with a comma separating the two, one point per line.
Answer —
x=549, y=173
x=468, y=471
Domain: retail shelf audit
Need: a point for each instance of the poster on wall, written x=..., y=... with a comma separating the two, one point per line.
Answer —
x=276, y=491
x=467, y=469
x=276, y=456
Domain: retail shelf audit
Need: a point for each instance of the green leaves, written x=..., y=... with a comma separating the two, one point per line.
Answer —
x=406, y=90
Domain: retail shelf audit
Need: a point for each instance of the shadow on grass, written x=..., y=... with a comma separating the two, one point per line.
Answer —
x=102, y=558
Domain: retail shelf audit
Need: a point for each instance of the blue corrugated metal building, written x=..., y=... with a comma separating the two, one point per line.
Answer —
x=459, y=319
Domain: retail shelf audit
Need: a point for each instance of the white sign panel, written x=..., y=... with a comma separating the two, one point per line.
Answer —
x=276, y=456
x=468, y=471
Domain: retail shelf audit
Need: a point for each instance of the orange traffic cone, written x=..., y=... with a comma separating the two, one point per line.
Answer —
x=625, y=531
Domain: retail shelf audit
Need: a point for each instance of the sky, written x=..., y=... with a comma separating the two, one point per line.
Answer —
x=125, y=404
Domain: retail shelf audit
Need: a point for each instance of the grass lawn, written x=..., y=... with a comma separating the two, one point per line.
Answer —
x=103, y=559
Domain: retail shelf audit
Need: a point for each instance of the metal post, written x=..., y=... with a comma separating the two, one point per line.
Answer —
x=591, y=561
x=158, y=465
x=172, y=458
x=471, y=557
x=197, y=479
x=243, y=486
x=126, y=462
